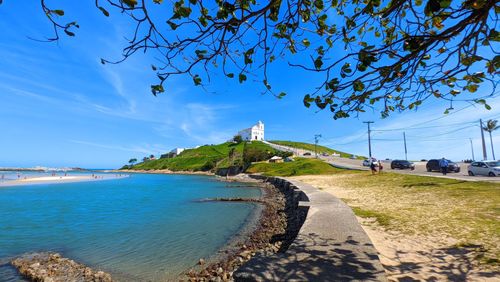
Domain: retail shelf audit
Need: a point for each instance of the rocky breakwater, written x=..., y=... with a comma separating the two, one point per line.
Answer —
x=279, y=223
x=52, y=267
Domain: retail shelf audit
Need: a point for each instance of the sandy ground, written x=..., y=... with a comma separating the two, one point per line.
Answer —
x=412, y=256
x=59, y=179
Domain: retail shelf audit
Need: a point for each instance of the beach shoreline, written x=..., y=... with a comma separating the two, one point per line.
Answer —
x=268, y=220
x=58, y=180
x=163, y=171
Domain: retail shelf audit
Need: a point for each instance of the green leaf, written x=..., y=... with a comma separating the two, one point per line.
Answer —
x=358, y=85
x=130, y=3
x=230, y=75
x=197, y=80
x=155, y=89
x=69, y=33
x=281, y=95
x=307, y=100
x=480, y=101
x=153, y=67
x=58, y=12
x=104, y=11
x=242, y=77
x=318, y=63
x=444, y=3
x=172, y=25
x=494, y=35
x=157, y=1
x=306, y=42
x=203, y=21
x=472, y=88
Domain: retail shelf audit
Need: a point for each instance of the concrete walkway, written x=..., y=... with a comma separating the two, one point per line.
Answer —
x=330, y=246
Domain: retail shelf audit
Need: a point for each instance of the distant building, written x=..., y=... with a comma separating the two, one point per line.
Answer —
x=177, y=151
x=276, y=159
x=255, y=132
x=173, y=153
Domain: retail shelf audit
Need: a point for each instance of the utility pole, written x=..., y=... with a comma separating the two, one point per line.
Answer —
x=472, y=149
x=316, y=140
x=406, y=151
x=369, y=139
x=485, y=156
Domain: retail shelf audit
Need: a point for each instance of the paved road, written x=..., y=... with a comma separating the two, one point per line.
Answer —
x=419, y=166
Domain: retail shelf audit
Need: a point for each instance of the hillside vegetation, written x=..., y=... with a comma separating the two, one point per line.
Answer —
x=212, y=157
x=301, y=166
x=310, y=147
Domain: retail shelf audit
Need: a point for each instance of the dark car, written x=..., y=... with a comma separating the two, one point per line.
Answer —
x=433, y=165
x=402, y=164
x=306, y=154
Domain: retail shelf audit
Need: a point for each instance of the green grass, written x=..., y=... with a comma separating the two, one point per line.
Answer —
x=202, y=158
x=301, y=166
x=310, y=147
x=210, y=157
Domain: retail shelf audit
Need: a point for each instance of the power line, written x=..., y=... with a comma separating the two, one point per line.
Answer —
x=423, y=127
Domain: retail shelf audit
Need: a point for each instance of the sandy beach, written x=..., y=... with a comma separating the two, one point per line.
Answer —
x=59, y=179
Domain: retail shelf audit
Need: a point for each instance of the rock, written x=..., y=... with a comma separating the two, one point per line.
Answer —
x=201, y=262
x=52, y=267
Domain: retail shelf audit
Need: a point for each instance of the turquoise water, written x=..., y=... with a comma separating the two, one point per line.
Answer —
x=145, y=227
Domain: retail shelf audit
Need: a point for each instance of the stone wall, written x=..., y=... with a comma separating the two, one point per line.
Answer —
x=325, y=242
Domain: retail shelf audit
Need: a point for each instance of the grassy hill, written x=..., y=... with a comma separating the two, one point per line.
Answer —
x=310, y=147
x=212, y=157
x=301, y=166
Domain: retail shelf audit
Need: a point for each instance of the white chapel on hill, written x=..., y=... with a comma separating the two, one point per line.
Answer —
x=255, y=132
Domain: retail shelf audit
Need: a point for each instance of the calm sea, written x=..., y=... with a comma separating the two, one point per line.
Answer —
x=142, y=228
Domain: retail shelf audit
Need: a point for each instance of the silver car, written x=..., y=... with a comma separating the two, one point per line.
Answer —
x=489, y=168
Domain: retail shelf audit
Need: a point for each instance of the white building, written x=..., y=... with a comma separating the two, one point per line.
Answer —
x=177, y=151
x=255, y=132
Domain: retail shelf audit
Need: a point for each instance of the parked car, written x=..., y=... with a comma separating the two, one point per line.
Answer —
x=433, y=165
x=402, y=164
x=352, y=157
x=306, y=154
x=490, y=168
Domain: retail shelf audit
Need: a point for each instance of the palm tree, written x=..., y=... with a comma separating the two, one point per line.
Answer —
x=132, y=161
x=491, y=125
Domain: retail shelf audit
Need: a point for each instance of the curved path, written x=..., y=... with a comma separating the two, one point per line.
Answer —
x=330, y=246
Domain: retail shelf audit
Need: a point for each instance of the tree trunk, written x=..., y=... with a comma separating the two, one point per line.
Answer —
x=492, y=150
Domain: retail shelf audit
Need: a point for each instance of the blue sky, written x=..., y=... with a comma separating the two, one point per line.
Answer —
x=60, y=107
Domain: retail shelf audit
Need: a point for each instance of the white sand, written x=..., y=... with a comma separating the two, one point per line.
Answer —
x=59, y=179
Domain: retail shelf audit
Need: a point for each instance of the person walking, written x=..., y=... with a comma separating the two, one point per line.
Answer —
x=373, y=166
x=443, y=164
x=380, y=167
